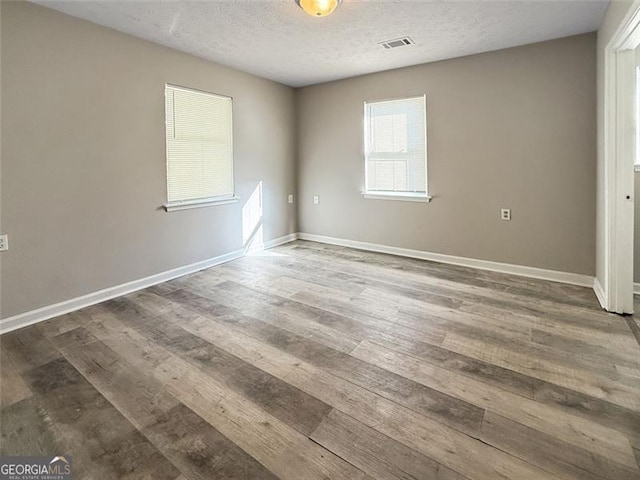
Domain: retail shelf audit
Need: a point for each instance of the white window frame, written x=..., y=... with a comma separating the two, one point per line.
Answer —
x=176, y=205
x=407, y=196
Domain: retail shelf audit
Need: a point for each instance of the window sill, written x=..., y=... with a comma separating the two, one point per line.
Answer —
x=206, y=202
x=404, y=197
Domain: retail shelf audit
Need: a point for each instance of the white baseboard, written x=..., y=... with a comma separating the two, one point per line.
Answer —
x=50, y=311
x=531, y=272
x=599, y=291
x=271, y=243
x=29, y=318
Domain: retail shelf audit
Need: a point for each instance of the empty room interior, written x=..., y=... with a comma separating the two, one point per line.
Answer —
x=319, y=239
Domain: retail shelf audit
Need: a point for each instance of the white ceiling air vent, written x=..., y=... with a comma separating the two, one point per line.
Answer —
x=398, y=42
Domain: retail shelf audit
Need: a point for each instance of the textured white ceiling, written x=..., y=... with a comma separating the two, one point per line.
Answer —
x=277, y=40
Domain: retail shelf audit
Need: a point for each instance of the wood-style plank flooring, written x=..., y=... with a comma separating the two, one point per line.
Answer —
x=311, y=361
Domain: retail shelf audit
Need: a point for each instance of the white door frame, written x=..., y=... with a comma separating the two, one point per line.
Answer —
x=619, y=155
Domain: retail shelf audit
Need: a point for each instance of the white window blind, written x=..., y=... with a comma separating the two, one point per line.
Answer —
x=199, y=146
x=396, y=146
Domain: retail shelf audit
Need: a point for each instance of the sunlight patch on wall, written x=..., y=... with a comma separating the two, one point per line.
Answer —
x=252, y=234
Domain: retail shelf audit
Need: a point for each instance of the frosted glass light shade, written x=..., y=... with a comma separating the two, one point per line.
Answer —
x=318, y=8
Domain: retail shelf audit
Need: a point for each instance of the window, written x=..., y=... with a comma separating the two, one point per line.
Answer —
x=199, y=148
x=395, y=133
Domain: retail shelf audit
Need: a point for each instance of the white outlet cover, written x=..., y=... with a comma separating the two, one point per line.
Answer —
x=316, y=199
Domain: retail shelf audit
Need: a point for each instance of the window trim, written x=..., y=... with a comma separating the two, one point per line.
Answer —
x=402, y=196
x=396, y=195
x=177, y=205
x=199, y=202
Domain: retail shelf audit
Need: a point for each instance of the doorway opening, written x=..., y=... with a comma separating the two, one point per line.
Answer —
x=620, y=143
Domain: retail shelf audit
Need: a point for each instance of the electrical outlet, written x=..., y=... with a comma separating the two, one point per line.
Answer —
x=291, y=198
x=505, y=214
x=4, y=243
x=316, y=199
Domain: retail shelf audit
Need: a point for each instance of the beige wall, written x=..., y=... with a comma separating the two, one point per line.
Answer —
x=83, y=161
x=83, y=158
x=514, y=128
x=616, y=13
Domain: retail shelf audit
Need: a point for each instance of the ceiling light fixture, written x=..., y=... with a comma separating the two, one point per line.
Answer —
x=318, y=8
